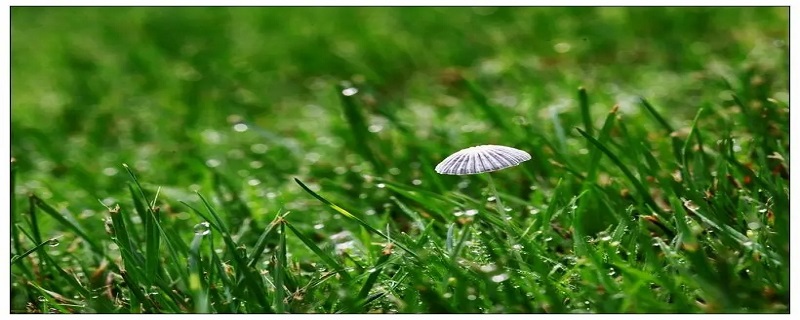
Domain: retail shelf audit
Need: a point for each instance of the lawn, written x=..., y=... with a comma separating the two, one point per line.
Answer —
x=281, y=160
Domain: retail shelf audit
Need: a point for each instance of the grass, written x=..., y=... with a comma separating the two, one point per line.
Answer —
x=219, y=160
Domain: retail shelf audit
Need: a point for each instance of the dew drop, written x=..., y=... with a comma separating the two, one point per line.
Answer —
x=53, y=242
x=110, y=171
x=562, y=47
x=259, y=148
x=240, y=127
x=381, y=185
x=202, y=228
x=500, y=278
x=488, y=268
x=213, y=163
x=349, y=91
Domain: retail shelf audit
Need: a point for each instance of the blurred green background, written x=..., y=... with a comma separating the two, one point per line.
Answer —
x=159, y=88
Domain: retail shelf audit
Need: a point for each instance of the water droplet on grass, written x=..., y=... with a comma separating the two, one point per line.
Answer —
x=110, y=171
x=54, y=242
x=213, y=163
x=416, y=182
x=240, y=127
x=381, y=185
x=202, y=228
x=349, y=91
x=562, y=47
x=500, y=278
x=488, y=268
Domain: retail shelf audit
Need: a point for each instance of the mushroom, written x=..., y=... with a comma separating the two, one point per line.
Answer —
x=481, y=159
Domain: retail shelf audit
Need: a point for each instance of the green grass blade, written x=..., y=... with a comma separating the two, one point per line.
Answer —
x=16, y=258
x=358, y=126
x=663, y=122
x=151, y=226
x=643, y=193
x=280, y=269
x=325, y=257
x=583, y=103
x=68, y=224
x=263, y=241
x=200, y=296
x=252, y=280
x=351, y=216
x=595, y=154
x=14, y=214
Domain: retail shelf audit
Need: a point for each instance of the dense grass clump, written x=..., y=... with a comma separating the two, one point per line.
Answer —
x=281, y=160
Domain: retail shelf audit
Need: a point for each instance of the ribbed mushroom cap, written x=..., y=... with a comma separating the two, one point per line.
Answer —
x=480, y=159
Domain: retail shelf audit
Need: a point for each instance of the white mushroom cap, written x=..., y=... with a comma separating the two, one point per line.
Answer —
x=480, y=159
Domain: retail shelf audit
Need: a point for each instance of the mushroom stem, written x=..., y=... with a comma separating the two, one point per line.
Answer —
x=500, y=207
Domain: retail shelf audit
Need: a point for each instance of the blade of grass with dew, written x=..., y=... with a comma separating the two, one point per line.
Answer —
x=358, y=126
x=34, y=220
x=676, y=142
x=262, y=242
x=136, y=235
x=129, y=249
x=325, y=257
x=16, y=258
x=280, y=268
x=68, y=224
x=151, y=226
x=643, y=193
x=237, y=210
x=252, y=280
x=199, y=294
x=352, y=217
x=374, y=274
x=138, y=296
x=595, y=154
